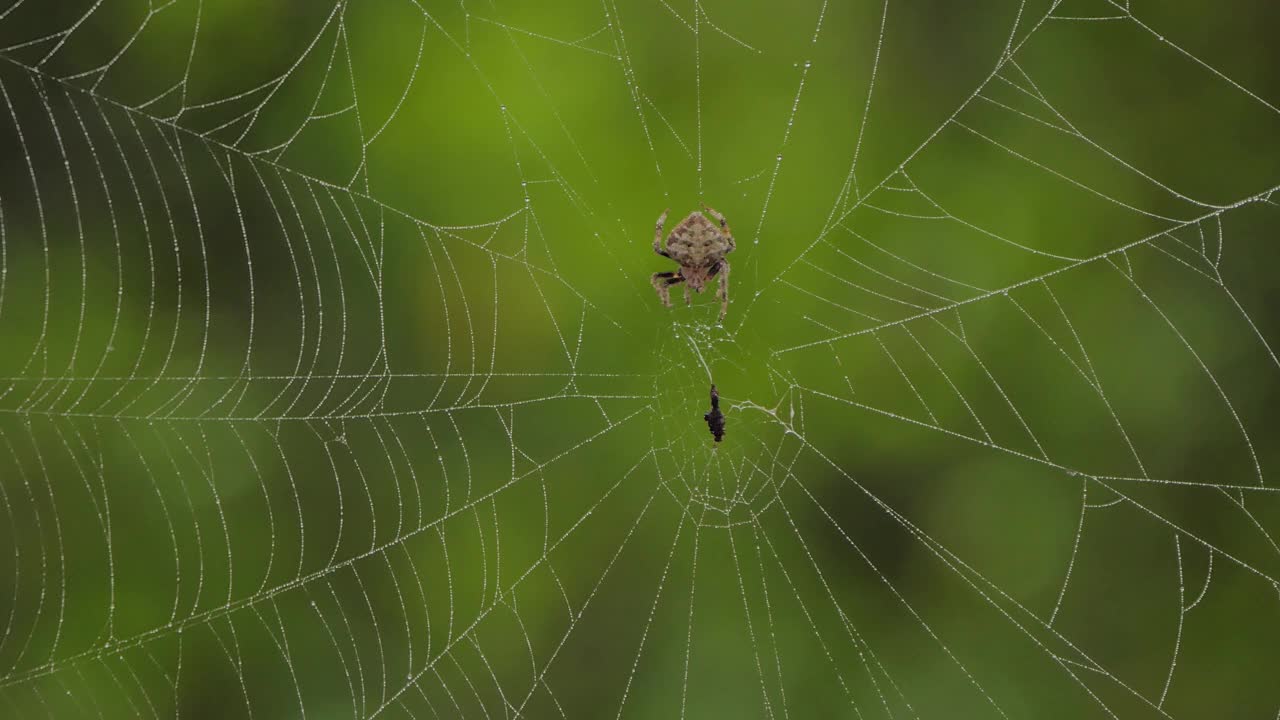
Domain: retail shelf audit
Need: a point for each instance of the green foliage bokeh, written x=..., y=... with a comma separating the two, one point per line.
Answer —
x=332, y=331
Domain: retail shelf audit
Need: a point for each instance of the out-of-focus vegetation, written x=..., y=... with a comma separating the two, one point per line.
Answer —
x=332, y=382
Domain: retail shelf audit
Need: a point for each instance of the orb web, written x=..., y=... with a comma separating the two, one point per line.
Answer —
x=332, y=381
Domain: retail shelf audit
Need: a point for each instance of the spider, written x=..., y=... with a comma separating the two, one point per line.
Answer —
x=699, y=246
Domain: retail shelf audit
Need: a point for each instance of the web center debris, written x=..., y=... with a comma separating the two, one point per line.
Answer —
x=715, y=418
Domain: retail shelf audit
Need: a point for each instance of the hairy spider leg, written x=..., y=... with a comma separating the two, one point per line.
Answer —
x=662, y=282
x=724, y=225
x=722, y=290
x=657, y=234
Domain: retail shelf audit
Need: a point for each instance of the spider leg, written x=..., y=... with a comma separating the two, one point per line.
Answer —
x=662, y=282
x=687, y=299
x=724, y=225
x=657, y=234
x=722, y=290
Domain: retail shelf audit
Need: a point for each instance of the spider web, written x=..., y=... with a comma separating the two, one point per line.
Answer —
x=332, y=384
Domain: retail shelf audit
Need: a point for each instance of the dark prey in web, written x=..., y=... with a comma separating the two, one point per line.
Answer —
x=715, y=418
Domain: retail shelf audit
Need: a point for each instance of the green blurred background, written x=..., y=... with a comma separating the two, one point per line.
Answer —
x=332, y=383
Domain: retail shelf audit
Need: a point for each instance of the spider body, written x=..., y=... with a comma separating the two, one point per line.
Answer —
x=699, y=245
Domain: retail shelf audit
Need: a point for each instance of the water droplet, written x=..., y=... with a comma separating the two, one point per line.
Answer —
x=779, y=157
x=807, y=64
x=524, y=183
x=503, y=108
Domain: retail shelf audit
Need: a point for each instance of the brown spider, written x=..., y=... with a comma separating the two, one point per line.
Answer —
x=699, y=246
